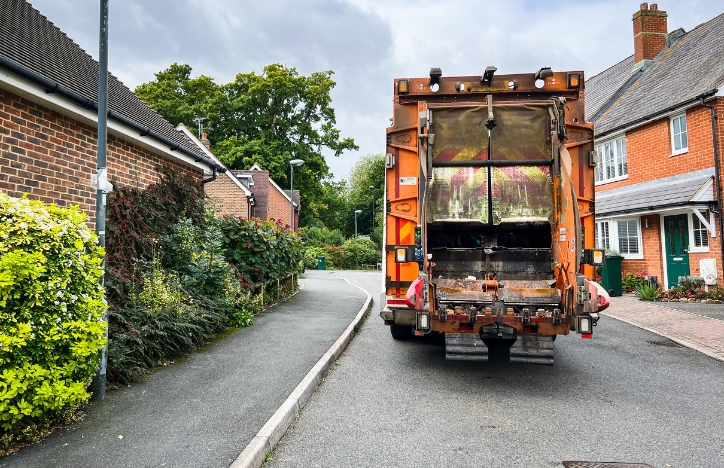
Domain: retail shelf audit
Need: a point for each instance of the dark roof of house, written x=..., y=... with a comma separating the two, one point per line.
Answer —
x=601, y=88
x=34, y=43
x=688, y=68
x=651, y=195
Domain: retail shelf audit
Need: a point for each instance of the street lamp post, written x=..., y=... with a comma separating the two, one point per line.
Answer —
x=292, y=163
x=372, y=188
x=356, y=253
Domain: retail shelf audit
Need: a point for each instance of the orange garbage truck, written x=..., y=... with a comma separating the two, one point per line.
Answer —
x=489, y=214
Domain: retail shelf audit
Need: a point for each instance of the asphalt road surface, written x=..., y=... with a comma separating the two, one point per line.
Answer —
x=624, y=396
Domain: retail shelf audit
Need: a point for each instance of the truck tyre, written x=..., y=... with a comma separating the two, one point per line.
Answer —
x=401, y=332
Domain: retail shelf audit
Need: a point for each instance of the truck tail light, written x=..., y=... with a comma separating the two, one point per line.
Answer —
x=401, y=255
x=403, y=87
x=584, y=325
x=574, y=80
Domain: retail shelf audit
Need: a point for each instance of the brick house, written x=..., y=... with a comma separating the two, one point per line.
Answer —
x=229, y=195
x=658, y=143
x=48, y=120
x=271, y=202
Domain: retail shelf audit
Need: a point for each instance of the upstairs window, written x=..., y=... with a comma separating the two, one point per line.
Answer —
x=611, y=162
x=679, y=140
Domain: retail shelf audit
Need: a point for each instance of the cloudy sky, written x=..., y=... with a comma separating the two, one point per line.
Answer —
x=366, y=43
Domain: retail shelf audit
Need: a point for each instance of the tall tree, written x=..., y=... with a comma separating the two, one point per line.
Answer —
x=366, y=191
x=266, y=119
x=178, y=97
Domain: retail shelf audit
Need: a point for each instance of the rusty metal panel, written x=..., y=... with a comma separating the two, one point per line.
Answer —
x=461, y=291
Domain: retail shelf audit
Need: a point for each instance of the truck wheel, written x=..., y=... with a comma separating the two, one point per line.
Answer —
x=401, y=332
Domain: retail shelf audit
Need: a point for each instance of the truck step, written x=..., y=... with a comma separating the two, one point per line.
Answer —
x=533, y=349
x=465, y=347
x=529, y=349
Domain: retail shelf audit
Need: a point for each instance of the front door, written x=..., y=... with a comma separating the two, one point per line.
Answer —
x=676, y=237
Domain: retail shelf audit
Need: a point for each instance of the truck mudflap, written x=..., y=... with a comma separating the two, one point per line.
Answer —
x=529, y=349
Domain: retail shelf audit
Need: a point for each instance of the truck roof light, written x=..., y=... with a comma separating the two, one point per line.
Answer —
x=543, y=73
x=487, y=77
x=574, y=80
x=403, y=87
x=435, y=74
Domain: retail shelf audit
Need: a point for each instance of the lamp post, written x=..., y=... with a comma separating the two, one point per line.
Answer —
x=292, y=163
x=372, y=191
x=356, y=254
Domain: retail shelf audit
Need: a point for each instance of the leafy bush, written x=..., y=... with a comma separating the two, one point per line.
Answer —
x=360, y=252
x=647, y=291
x=694, y=283
x=261, y=250
x=319, y=237
x=138, y=218
x=51, y=311
x=631, y=281
x=310, y=256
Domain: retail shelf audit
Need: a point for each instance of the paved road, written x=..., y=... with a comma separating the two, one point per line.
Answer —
x=202, y=412
x=617, y=397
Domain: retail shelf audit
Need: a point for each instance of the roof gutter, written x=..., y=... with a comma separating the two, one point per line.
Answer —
x=52, y=87
x=651, y=116
x=650, y=209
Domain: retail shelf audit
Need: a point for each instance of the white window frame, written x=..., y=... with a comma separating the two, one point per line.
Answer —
x=611, y=151
x=685, y=133
x=613, y=237
x=693, y=248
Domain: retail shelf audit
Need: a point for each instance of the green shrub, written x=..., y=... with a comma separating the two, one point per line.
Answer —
x=319, y=237
x=261, y=250
x=695, y=283
x=360, y=252
x=51, y=311
x=647, y=291
x=310, y=257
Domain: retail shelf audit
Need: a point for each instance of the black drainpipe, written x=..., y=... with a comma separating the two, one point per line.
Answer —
x=717, y=178
x=210, y=179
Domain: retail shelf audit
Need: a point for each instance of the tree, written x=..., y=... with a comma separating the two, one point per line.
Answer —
x=366, y=184
x=266, y=119
x=178, y=97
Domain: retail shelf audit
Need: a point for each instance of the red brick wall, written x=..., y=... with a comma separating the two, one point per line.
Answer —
x=227, y=197
x=279, y=206
x=648, y=150
x=51, y=156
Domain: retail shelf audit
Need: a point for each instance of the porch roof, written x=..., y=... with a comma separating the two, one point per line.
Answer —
x=681, y=190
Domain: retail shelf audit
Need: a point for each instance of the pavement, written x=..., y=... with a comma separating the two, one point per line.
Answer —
x=694, y=325
x=204, y=411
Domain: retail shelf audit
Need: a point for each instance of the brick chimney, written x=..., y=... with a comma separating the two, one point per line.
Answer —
x=650, y=33
x=205, y=141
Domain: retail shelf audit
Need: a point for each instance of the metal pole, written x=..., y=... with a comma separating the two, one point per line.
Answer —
x=356, y=252
x=291, y=194
x=372, y=188
x=99, y=381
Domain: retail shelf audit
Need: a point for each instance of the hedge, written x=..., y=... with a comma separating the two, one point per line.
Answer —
x=51, y=312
